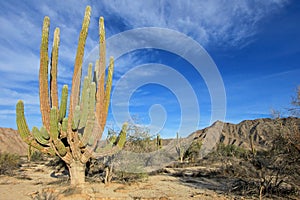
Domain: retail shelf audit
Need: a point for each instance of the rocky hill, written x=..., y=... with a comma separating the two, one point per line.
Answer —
x=10, y=141
x=240, y=134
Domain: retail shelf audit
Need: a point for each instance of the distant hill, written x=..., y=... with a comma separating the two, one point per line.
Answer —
x=10, y=141
x=239, y=134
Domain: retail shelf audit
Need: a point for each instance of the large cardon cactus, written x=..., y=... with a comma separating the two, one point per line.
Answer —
x=75, y=136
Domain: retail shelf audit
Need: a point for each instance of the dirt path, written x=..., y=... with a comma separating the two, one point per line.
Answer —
x=34, y=180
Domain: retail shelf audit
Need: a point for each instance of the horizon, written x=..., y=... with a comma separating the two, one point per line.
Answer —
x=252, y=51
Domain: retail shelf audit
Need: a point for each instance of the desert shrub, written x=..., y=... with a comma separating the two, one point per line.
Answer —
x=278, y=166
x=273, y=172
x=9, y=162
x=130, y=177
x=37, y=156
x=139, y=139
x=192, y=152
x=231, y=151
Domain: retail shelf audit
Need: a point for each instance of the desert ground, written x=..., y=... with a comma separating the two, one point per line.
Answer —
x=34, y=181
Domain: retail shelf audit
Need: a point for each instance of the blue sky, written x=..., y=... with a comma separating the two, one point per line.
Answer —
x=254, y=46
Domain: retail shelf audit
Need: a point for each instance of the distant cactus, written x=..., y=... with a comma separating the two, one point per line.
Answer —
x=158, y=142
x=180, y=147
x=74, y=137
x=253, y=150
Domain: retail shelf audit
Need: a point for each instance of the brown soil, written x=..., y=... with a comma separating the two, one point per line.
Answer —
x=33, y=181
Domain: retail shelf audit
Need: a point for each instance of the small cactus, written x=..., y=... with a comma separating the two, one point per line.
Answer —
x=158, y=142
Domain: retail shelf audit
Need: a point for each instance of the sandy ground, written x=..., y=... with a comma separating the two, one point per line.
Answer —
x=33, y=181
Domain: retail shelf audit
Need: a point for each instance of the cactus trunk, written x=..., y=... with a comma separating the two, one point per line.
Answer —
x=77, y=173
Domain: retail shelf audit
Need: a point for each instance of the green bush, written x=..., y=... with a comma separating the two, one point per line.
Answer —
x=192, y=152
x=8, y=163
x=231, y=150
x=37, y=156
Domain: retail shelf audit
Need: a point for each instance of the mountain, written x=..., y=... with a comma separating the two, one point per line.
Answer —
x=10, y=141
x=261, y=130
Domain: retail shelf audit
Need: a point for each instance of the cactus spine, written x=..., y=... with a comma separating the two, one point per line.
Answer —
x=84, y=125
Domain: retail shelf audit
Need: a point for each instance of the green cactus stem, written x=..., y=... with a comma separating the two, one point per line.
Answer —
x=24, y=130
x=158, y=142
x=43, y=75
x=77, y=69
x=53, y=73
x=39, y=136
x=63, y=103
x=120, y=141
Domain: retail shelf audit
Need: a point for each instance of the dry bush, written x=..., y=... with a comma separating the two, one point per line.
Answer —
x=8, y=163
x=274, y=172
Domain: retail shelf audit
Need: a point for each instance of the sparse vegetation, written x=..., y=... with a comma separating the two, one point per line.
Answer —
x=37, y=156
x=232, y=150
x=131, y=177
x=8, y=163
x=139, y=139
x=192, y=153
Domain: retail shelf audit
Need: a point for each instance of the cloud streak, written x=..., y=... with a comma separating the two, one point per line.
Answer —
x=215, y=21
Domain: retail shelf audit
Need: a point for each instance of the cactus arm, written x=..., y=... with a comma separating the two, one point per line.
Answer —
x=107, y=91
x=60, y=147
x=53, y=124
x=120, y=142
x=90, y=71
x=64, y=128
x=38, y=135
x=43, y=74
x=53, y=72
x=101, y=115
x=100, y=68
x=72, y=137
x=96, y=71
x=76, y=118
x=24, y=130
x=44, y=133
x=74, y=97
x=84, y=104
x=63, y=103
x=21, y=122
x=89, y=135
x=102, y=43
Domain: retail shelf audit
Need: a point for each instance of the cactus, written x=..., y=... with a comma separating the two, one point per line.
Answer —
x=253, y=150
x=180, y=148
x=74, y=137
x=158, y=142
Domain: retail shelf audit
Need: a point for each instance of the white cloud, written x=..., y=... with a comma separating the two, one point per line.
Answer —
x=216, y=21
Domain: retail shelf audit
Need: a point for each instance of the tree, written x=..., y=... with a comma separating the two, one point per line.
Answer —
x=74, y=137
